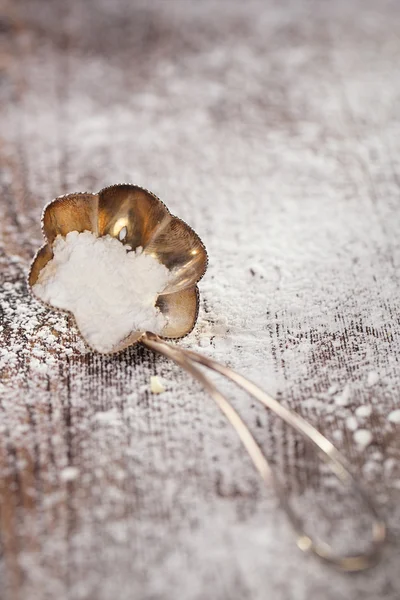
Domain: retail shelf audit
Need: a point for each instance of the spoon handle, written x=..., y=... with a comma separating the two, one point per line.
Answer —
x=187, y=359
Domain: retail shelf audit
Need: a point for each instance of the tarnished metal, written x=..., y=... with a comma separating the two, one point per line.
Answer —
x=144, y=221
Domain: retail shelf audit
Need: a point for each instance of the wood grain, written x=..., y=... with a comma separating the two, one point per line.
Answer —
x=273, y=130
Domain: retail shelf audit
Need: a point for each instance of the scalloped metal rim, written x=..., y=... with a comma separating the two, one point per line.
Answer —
x=68, y=312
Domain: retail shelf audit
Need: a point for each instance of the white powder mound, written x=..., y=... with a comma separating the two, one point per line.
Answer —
x=111, y=290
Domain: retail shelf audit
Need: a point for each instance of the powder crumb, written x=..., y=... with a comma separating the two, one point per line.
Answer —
x=337, y=435
x=363, y=411
x=155, y=385
x=343, y=398
x=69, y=473
x=362, y=437
x=370, y=469
x=378, y=456
x=373, y=378
x=111, y=292
x=394, y=416
x=351, y=423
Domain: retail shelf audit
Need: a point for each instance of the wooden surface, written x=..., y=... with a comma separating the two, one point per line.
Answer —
x=273, y=129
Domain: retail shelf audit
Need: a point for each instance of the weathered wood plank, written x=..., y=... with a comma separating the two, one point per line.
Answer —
x=273, y=129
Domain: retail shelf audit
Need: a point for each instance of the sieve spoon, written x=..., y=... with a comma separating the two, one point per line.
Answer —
x=138, y=218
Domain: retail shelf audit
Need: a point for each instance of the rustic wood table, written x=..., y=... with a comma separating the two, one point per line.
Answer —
x=273, y=129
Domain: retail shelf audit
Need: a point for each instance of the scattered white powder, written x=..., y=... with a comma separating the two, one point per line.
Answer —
x=30, y=340
x=69, y=473
x=363, y=411
x=155, y=385
x=110, y=417
x=343, y=398
x=373, y=378
x=110, y=290
x=362, y=437
x=321, y=291
x=337, y=435
x=351, y=423
x=394, y=416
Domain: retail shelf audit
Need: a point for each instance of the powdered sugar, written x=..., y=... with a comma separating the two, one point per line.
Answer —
x=32, y=339
x=373, y=378
x=362, y=437
x=343, y=398
x=69, y=473
x=292, y=175
x=363, y=411
x=394, y=416
x=110, y=290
